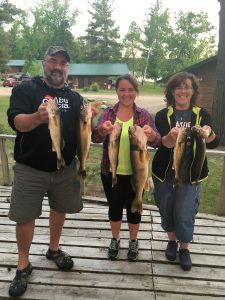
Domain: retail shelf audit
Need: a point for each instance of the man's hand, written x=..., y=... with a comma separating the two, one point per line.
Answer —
x=95, y=108
x=42, y=113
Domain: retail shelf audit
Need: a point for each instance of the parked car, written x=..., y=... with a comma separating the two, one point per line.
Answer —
x=10, y=82
x=21, y=76
x=25, y=78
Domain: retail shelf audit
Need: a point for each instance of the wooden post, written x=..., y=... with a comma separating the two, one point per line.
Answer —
x=5, y=165
x=221, y=203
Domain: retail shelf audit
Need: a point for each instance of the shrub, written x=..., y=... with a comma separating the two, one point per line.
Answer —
x=94, y=87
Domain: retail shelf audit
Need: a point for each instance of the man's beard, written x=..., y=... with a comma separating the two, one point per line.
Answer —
x=54, y=78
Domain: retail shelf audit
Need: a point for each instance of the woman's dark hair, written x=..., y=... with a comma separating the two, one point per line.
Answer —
x=176, y=81
x=129, y=78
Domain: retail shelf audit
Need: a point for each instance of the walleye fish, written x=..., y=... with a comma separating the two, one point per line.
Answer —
x=113, y=150
x=201, y=131
x=85, y=136
x=139, y=161
x=199, y=135
x=178, y=154
x=54, y=125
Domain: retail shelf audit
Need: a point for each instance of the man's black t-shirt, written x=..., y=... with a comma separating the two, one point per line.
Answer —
x=34, y=148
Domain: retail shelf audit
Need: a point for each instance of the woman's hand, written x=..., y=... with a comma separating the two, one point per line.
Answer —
x=173, y=134
x=150, y=133
x=106, y=128
x=169, y=140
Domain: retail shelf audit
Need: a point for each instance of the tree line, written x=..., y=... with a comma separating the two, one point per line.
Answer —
x=163, y=45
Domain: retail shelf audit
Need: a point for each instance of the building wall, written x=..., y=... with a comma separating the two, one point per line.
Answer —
x=85, y=81
x=15, y=69
x=206, y=75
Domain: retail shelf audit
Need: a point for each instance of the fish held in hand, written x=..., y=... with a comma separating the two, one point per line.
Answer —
x=85, y=136
x=199, y=136
x=113, y=150
x=140, y=162
x=200, y=131
x=55, y=128
x=178, y=154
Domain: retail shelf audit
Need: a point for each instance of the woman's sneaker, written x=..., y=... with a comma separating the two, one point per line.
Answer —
x=132, y=254
x=185, y=259
x=19, y=284
x=113, y=249
x=171, y=250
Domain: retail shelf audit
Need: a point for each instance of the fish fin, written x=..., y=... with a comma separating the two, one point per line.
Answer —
x=136, y=206
x=62, y=144
x=147, y=185
x=142, y=155
x=83, y=174
x=63, y=163
x=53, y=148
x=132, y=183
x=151, y=183
x=114, y=181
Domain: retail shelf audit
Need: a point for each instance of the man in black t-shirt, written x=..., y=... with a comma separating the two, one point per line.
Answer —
x=36, y=172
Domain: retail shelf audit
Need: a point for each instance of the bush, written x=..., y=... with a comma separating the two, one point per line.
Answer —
x=94, y=87
x=86, y=89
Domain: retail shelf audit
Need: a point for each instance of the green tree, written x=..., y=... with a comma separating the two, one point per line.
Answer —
x=4, y=51
x=8, y=13
x=132, y=44
x=192, y=41
x=52, y=22
x=218, y=110
x=157, y=30
x=102, y=39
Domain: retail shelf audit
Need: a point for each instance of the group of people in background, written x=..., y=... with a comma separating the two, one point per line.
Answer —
x=36, y=173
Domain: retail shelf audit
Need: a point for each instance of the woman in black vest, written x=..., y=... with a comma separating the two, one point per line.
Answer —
x=177, y=197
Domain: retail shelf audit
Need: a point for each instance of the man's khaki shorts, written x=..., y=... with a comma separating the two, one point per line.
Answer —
x=30, y=186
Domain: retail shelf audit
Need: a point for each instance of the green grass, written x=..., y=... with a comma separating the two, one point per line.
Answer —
x=4, y=104
x=210, y=188
x=209, y=192
x=147, y=89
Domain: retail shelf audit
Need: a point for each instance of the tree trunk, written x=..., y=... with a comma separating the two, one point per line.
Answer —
x=218, y=109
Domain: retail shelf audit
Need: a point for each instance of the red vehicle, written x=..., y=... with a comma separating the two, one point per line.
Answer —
x=10, y=82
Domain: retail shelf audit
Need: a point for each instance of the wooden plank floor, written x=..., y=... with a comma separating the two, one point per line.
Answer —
x=86, y=237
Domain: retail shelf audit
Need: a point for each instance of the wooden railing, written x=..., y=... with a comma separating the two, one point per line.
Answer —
x=6, y=173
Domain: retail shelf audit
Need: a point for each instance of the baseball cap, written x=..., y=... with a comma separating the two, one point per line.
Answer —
x=52, y=50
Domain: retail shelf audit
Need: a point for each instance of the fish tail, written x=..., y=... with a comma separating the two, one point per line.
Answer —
x=177, y=181
x=60, y=163
x=136, y=206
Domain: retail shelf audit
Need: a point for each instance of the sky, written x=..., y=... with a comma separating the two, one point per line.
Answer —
x=126, y=11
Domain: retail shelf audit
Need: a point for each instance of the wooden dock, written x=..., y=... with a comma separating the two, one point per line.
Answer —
x=86, y=237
